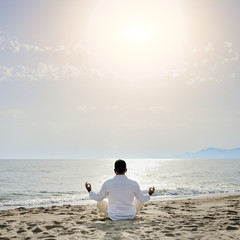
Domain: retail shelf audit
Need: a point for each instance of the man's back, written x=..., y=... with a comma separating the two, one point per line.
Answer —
x=121, y=192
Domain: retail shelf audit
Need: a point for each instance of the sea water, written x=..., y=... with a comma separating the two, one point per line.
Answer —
x=32, y=183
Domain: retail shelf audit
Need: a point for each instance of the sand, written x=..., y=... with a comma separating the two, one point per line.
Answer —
x=197, y=218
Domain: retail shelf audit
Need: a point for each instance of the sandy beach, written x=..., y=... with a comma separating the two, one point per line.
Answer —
x=215, y=217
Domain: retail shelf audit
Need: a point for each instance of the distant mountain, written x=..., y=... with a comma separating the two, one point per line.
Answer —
x=211, y=153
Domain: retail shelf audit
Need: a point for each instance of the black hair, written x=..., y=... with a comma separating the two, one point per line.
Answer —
x=120, y=166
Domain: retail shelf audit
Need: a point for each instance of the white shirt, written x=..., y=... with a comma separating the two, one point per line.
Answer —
x=120, y=192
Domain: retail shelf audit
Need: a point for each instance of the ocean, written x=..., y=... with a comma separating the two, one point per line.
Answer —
x=34, y=183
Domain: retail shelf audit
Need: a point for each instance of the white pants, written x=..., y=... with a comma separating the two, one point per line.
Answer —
x=103, y=206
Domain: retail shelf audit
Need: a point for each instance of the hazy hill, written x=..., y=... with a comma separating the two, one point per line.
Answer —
x=212, y=153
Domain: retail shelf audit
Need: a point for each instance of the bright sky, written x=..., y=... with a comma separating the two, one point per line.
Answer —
x=118, y=78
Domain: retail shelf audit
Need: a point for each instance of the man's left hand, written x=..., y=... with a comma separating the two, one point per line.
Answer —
x=88, y=186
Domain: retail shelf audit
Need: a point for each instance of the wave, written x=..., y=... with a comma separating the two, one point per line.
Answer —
x=76, y=199
x=44, y=201
x=181, y=192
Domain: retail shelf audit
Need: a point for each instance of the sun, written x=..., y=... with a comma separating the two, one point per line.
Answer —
x=138, y=33
x=137, y=38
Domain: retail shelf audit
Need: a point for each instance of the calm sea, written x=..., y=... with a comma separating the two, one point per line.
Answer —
x=30, y=183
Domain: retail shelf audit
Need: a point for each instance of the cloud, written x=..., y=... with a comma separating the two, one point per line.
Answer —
x=209, y=63
x=229, y=54
x=16, y=46
x=1, y=39
x=13, y=113
x=42, y=72
x=204, y=49
x=5, y=73
x=69, y=70
x=228, y=46
x=226, y=52
x=45, y=64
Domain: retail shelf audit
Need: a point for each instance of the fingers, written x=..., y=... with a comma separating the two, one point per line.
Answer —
x=88, y=186
x=151, y=190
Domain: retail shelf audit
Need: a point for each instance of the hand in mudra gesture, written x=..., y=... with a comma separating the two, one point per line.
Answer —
x=151, y=190
x=88, y=186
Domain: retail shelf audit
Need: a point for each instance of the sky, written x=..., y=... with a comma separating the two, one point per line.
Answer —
x=118, y=79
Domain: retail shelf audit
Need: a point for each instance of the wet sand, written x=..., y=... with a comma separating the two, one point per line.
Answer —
x=215, y=217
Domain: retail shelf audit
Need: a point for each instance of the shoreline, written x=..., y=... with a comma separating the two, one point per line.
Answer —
x=204, y=217
x=153, y=198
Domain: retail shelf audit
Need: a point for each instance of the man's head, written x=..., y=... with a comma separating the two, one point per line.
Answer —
x=120, y=167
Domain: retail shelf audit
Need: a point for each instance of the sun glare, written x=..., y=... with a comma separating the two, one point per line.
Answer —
x=135, y=39
x=138, y=33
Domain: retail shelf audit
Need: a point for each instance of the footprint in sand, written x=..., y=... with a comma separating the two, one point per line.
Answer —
x=170, y=228
x=117, y=229
x=178, y=234
x=80, y=222
x=3, y=226
x=231, y=228
x=169, y=235
x=232, y=212
x=37, y=230
x=11, y=221
x=21, y=230
x=156, y=228
x=31, y=225
x=22, y=213
x=49, y=227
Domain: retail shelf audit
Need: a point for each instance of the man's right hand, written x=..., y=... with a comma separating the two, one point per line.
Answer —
x=151, y=190
x=88, y=186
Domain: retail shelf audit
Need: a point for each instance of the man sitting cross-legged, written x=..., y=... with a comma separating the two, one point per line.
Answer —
x=121, y=192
